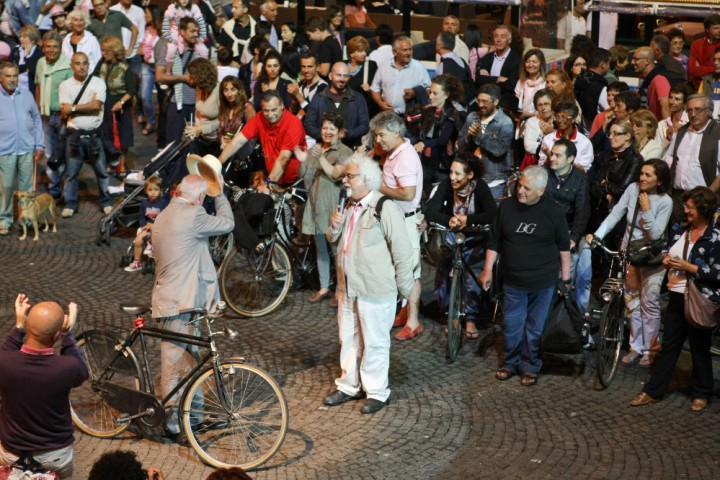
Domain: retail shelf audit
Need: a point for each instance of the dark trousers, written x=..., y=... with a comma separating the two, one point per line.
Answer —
x=677, y=329
x=176, y=120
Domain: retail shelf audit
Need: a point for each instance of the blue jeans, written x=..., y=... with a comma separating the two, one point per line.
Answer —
x=581, y=274
x=136, y=62
x=90, y=148
x=147, y=83
x=323, y=259
x=524, y=318
x=54, y=131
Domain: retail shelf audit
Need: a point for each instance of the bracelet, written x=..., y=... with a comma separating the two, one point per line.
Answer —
x=270, y=182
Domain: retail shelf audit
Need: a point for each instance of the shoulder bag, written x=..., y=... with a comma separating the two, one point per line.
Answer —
x=643, y=252
x=700, y=312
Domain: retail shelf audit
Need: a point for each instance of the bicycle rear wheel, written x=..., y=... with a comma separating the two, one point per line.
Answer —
x=612, y=330
x=247, y=429
x=91, y=412
x=456, y=309
x=255, y=284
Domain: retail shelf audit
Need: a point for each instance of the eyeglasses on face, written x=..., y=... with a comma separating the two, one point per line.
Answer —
x=348, y=176
x=615, y=133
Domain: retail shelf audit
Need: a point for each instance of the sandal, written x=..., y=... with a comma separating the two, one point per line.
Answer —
x=528, y=379
x=149, y=129
x=503, y=374
x=472, y=334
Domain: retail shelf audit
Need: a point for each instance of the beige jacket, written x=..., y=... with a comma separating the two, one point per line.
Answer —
x=380, y=257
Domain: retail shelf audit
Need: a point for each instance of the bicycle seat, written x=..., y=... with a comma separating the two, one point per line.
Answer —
x=135, y=309
x=193, y=311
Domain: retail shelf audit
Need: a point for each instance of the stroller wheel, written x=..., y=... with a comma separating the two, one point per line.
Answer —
x=99, y=236
x=145, y=267
x=152, y=267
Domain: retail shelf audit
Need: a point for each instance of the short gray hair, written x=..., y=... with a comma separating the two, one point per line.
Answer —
x=538, y=176
x=80, y=14
x=390, y=121
x=191, y=187
x=701, y=96
x=368, y=169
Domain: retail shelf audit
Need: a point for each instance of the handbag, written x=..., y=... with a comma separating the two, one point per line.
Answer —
x=643, y=252
x=700, y=312
x=438, y=248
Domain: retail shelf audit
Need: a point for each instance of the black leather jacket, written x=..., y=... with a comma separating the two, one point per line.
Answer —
x=572, y=194
x=615, y=173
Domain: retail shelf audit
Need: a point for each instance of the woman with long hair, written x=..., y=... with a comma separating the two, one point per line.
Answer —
x=204, y=130
x=532, y=79
x=463, y=199
x=646, y=208
x=270, y=79
x=292, y=49
x=335, y=19
x=478, y=49
x=120, y=82
x=153, y=19
x=645, y=127
x=575, y=66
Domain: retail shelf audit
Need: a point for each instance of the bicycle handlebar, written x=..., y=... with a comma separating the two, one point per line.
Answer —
x=466, y=230
x=597, y=243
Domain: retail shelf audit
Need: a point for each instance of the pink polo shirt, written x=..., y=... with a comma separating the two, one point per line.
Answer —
x=403, y=169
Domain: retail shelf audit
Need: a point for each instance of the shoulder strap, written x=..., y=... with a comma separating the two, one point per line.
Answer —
x=635, y=214
x=82, y=90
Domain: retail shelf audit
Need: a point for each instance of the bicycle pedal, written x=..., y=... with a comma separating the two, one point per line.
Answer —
x=124, y=419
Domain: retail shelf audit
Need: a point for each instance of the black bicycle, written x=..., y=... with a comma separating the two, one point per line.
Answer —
x=457, y=301
x=233, y=414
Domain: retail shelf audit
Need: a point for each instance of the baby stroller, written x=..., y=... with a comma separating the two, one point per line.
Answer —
x=125, y=213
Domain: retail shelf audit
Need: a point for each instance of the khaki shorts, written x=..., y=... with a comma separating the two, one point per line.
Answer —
x=414, y=234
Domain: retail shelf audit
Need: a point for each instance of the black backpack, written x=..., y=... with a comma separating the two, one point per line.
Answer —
x=563, y=332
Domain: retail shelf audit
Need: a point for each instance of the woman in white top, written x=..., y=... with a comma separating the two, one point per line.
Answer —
x=80, y=40
x=532, y=79
x=645, y=127
x=536, y=127
x=642, y=283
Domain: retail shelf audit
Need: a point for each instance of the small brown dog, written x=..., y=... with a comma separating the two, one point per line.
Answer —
x=33, y=208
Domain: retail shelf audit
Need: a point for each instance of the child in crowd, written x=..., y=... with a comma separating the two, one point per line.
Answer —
x=149, y=210
x=177, y=10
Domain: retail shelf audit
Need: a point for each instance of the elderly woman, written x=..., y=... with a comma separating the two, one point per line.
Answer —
x=204, y=129
x=361, y=70
x=321, y=168
x=645, y=127
x=30, y=53
x=462, y=200
x=120, y=82
x=693, y=257
x=646, y=207
x=81, y=40
x=537, y=127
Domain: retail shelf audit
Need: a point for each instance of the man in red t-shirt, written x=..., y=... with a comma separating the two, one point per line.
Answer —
x=702, y=50
x=279, y=131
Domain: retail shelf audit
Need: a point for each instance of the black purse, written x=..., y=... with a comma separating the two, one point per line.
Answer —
x=643, y=252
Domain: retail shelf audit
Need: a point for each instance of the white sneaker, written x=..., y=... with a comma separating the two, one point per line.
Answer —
x=135, y=266
x=148, y=250
x=67, y=212
x=107, y=210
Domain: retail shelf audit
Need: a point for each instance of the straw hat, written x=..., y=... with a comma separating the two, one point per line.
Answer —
x=208, y=167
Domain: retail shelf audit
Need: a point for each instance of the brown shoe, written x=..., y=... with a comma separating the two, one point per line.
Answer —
x=698, y=404
x=319, y=296
x=643, y=399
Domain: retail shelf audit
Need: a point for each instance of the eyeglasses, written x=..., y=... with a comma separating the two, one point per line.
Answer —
x=616, y=134
x=688, y=208
x=348, y=176
x=696, y=109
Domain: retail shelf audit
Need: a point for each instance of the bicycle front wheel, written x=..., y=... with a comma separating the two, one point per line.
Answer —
x=610, y=341
x=246, y=428
x=255, y=284
x=92, y=412
x=456, y=309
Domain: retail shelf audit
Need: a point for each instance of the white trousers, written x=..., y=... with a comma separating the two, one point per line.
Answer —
x=364, y=326
x=59, y=461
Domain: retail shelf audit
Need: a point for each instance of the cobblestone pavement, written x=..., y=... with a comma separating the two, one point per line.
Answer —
x=444, y=421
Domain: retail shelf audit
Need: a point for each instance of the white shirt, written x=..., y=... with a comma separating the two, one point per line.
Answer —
x=584, y=157
x=568, y=27
x=688, y=173
x=70, y=88
x=677, y=280
x=498, y=63
x=381, y=55
x=137, y=16
x=608, y=28
x=88, y=45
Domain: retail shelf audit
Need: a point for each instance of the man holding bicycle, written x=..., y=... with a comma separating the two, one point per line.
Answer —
x=531, y=233
x=185, y=272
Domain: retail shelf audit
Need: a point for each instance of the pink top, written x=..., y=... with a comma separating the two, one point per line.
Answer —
x=403, y=169
x=148, y=45
x=475, y=55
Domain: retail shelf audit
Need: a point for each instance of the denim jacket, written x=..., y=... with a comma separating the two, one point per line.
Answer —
x=494, y=142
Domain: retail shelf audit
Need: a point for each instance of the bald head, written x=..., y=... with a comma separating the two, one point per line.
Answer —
x=44, y=322
x=339, y=77
x=192, y=187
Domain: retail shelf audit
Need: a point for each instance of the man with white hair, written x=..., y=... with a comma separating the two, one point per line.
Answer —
x=269, y=13
x=532, y=234
x=185, y=272
x=370, y=275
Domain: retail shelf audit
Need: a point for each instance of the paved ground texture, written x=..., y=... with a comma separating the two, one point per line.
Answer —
x=444, y=421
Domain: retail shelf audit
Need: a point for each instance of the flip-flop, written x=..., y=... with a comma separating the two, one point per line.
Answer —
x=148, y=131
x=503, y=374
x=472, y=335
x=528, y=379
x=4, y=231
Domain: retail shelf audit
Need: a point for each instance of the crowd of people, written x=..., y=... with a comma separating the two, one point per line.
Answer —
x=599, y=159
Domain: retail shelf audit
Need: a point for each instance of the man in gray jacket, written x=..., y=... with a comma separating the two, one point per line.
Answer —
x=374, y=263
x=185, y=272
